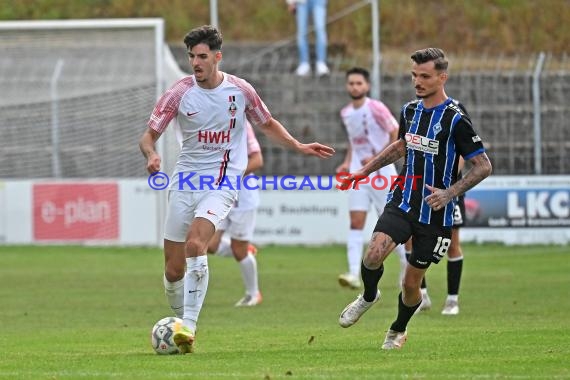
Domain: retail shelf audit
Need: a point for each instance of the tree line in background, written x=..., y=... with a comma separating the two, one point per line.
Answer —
x=460, y=26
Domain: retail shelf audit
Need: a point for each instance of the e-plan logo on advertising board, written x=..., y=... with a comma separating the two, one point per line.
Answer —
x=75, y=211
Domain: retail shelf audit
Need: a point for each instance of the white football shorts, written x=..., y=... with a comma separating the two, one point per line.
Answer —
x=184, y=206
x=374, y=192
x=240, y=224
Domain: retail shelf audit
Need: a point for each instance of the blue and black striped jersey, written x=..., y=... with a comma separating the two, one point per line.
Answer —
x=435, y=138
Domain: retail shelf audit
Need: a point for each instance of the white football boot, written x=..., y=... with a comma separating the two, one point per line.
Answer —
x=348, y=280
x=394, y=340
x=354, y=310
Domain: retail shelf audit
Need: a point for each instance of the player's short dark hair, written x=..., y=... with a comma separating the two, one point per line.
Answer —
x=359, y=70
x=431, y=54
x=206, y=34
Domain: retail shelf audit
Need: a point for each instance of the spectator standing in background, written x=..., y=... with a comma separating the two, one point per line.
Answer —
x=318, y=9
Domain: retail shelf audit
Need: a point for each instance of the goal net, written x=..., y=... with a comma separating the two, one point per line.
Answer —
x=76, y=96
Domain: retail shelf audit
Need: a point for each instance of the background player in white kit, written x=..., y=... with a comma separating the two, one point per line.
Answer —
x=240, y=224
x=371, y=127
x=210, y=108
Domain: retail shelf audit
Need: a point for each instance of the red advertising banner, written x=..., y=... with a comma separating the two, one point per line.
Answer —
x=76, y=211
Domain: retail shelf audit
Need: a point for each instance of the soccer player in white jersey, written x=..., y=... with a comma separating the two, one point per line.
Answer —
x=240, y=224
x=210, y=108
x=371, y=127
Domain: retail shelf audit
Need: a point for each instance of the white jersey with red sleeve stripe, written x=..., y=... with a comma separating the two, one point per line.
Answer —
x=212, y=130
x=368, y=128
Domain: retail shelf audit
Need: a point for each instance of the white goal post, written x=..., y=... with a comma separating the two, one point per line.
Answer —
x=76, y=97
x=68, y=83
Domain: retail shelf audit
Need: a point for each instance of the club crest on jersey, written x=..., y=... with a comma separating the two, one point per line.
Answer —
x=436, y=129
x=421, y=143
x=233, y=107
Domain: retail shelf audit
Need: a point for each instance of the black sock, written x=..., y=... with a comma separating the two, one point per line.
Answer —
x=370, y=278
x=404, y=315
x=454, y=269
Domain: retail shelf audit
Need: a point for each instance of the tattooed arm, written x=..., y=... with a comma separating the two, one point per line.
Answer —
x=391, y=154
x=388, y=156
x=481, y=169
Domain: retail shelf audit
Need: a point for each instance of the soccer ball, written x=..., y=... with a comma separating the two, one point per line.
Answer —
x=161, y=335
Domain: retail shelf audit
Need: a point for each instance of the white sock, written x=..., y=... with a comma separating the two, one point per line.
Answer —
x=354, y=251
x=453, y=297
x=225, y=247
x=175, y=295
x=423, y=291
x=195, y=287
x=401, y=251
x=248, y=268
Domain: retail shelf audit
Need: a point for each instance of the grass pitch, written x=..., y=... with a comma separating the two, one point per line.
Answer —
x=86, y=313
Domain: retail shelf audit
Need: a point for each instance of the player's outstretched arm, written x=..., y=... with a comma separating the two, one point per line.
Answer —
x=147, y=146
x=481, y=168
x=391, y=154
x=278, y=134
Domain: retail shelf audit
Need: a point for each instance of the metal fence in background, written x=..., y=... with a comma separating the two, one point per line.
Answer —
x=496, y=90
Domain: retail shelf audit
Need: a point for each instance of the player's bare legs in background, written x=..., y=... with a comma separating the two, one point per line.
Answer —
x=454, y=271
x=354, y=249
x=243, y=254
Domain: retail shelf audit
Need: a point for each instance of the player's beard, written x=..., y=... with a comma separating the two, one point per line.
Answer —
x=358, y=97
x=200, y=76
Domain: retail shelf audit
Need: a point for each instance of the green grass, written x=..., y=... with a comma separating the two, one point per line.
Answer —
x=82, y=313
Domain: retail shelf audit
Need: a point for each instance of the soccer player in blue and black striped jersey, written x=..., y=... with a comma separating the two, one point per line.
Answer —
x=435, y=130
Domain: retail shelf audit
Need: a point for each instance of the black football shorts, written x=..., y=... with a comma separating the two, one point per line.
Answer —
x=430, y=242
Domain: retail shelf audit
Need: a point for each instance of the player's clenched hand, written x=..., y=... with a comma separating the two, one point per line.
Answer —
x=316, y=149
x=153, y=163
x=438, y=198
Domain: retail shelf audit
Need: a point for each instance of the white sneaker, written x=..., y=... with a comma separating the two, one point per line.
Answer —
x=303, y=70
x=450, y=308
x=322, y=69
x=394, y=340
x=249, y=300
x=425, y=305
x=354, y=310
x=348, y=280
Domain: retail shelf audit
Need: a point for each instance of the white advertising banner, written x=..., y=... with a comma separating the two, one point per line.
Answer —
x=304, y=217
x=507, y=209
x=110, y=212
x=512, y=210
x=3, y=213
